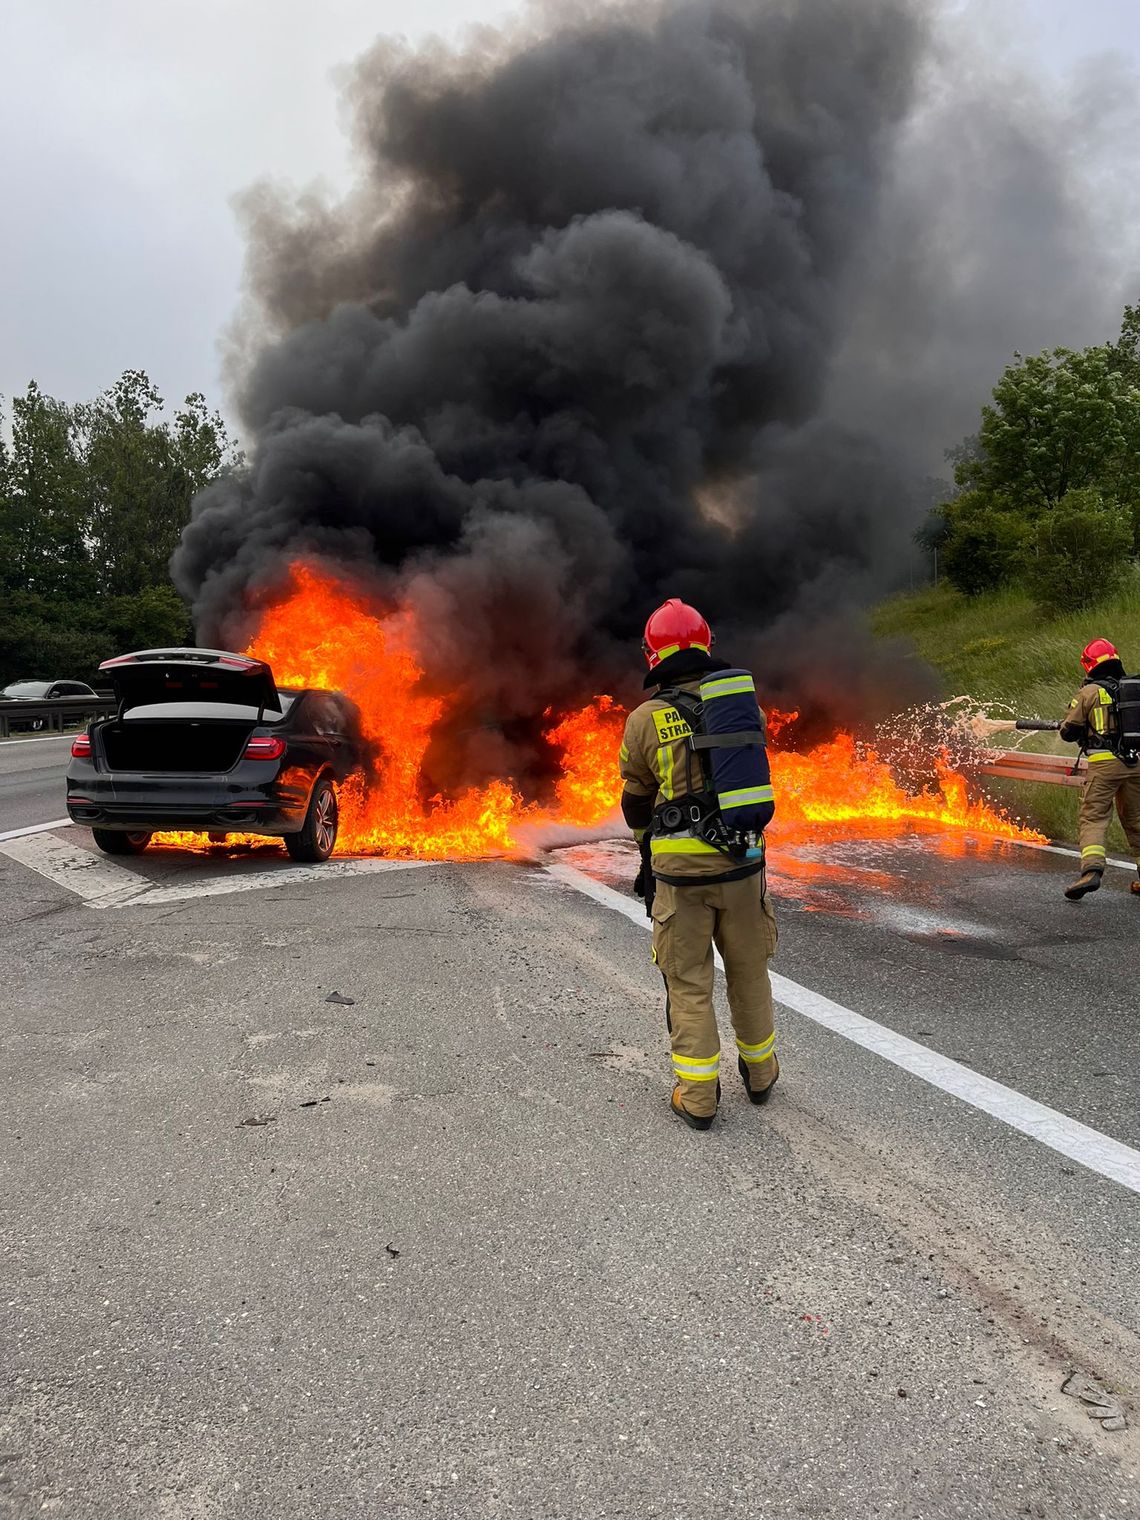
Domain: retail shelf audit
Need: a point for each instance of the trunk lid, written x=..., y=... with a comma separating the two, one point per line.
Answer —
x=152, y=676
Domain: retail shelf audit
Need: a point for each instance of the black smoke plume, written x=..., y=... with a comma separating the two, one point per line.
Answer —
x=617, y=312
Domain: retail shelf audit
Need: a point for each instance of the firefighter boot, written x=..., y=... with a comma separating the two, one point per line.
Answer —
x=694, y=1121
x=1087, y=881
x=762, y=1094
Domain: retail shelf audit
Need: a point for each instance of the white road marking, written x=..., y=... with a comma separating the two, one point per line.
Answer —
x=43, y=739
x=1061, y=849
x=281, y=876
x=102, y=883
x=1098, y=1152
x=99, y=881
x=36, y=828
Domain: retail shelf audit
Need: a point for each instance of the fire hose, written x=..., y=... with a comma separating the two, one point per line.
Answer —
x=1037, y=725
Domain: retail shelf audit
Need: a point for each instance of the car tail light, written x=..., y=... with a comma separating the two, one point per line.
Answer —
x=264, y=747
x=81, y=747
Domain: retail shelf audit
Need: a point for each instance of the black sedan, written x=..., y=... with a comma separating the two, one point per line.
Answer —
x=203, y=740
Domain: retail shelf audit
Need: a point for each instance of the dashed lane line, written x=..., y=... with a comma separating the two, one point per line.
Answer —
x=1089, y=1147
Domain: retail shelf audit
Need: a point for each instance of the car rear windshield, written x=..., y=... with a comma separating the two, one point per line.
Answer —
x=187, y=710
x=28, y=691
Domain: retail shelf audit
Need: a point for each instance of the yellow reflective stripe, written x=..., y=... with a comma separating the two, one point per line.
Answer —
x=624, y=751
x=728, y=686
x=704, y=1069
x=663, y=654
x=665, y=762
x=681, y=844
x=745, y=795
x=756, y=1055
x=1093, y=849
x=1102, y=754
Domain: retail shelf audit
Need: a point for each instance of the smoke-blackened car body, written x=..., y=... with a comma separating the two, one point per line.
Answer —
x=204, y=740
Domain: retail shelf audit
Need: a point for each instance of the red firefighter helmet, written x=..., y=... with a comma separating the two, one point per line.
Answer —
x=675, y=625
x=1094, y=653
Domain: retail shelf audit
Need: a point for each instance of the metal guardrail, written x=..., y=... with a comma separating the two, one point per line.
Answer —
x=54, y=716
x=1056, y=770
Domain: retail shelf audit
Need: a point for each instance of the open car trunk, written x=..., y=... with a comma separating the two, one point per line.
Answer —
x=152, y=676
x=210, y=746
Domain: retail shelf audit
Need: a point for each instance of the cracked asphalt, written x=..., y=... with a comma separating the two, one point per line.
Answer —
x=490, y=1276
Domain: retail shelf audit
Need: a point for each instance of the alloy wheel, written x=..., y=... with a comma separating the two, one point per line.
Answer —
x=326, y=820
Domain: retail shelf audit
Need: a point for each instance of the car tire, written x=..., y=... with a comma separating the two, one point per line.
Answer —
x=120, y=841
x=316, y=839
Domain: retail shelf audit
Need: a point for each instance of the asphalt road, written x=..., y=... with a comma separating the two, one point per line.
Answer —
x=31, y=780
x=490, y=1275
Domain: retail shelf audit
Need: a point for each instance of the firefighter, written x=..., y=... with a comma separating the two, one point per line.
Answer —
x=1093, y=722
x=698, y=895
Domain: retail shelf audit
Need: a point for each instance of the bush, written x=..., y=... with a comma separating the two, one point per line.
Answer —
x=1083, y=552
x=986, y=544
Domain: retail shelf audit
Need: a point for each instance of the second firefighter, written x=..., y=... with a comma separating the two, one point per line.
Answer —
x=1102, y=719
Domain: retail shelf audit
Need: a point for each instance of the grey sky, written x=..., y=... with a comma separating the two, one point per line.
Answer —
x=128, y=125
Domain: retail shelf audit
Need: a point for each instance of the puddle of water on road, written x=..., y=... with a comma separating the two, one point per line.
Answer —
x=872, y=880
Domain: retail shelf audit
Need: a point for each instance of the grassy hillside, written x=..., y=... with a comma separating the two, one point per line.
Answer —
x=999, y=647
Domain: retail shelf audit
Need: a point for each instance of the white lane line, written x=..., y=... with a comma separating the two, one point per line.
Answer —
x=102, y=883
x=36, y=828
x=282, y=876
x=43, y=739
x=1061, y=849
x=1092, y=1149
x=94, y=878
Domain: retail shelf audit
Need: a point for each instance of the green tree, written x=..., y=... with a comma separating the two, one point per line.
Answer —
x=93, y=499
x=1060, y=421
x=142, y=475
x=43, y=518
x=1126, y=350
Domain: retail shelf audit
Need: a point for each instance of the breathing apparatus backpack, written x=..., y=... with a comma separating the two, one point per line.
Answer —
x=1126, y=698
x=728, y=739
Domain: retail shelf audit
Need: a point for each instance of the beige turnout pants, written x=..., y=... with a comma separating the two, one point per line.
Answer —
x=1109, y=781
x=687, y=922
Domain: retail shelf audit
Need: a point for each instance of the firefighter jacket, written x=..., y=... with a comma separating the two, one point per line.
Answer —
x=658, y=766
x=1092, y=722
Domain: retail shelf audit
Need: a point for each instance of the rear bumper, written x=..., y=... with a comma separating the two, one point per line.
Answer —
x=255, y=797
x=246, y=818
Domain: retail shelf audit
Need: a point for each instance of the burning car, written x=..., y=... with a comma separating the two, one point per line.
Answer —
x=204, y=740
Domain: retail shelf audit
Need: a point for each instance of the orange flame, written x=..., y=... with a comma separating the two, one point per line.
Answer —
x=322, y=636
x=843, y=789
